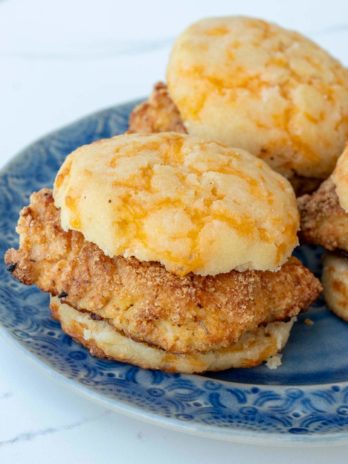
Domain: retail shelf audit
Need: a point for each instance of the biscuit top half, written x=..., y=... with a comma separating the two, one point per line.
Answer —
x=192, y=205
x=251, y=84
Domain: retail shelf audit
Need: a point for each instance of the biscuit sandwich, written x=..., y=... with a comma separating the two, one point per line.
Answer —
x=324, y=221
x=252, y=84
x=168, y=252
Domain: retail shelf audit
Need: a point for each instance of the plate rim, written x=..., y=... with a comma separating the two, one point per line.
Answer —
x=228, y=434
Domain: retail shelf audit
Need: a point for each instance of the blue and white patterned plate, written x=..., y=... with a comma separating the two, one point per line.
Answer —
x=306, y=399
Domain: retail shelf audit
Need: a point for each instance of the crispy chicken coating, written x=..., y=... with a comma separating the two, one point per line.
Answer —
x=323, y=221
x=158, y=114
x=144, y=301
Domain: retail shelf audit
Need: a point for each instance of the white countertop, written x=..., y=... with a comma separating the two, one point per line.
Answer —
x=62, y=60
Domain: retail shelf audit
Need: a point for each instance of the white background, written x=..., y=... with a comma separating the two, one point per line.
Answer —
x=60, y=60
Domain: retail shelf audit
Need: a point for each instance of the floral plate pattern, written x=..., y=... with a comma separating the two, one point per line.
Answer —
x=305, y=400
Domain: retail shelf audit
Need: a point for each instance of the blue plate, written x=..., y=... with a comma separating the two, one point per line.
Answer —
x=306, y=399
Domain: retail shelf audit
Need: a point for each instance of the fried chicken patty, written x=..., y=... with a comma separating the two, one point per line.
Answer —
x=143, y=300
x=160, y=114
x=104, y=341
x=323, y=221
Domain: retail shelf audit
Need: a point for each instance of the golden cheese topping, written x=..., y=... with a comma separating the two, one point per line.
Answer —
x=340, y=179
x=252, y=84
x=192, y=205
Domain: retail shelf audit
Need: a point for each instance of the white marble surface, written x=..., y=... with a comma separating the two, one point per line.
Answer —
x=60, y=60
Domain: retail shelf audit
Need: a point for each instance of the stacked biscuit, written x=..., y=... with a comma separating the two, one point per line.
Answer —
x=168, y=247
x=167, y=251
x=254, y=85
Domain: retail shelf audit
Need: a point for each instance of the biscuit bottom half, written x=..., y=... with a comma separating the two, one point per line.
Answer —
x=104, y=341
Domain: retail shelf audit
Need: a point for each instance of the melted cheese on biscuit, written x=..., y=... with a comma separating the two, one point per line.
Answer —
x=254, y=85
x=192, y=205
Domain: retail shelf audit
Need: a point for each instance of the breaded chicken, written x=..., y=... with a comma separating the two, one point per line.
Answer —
x=323, y=221
x=160, y=114
x=144, y=301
